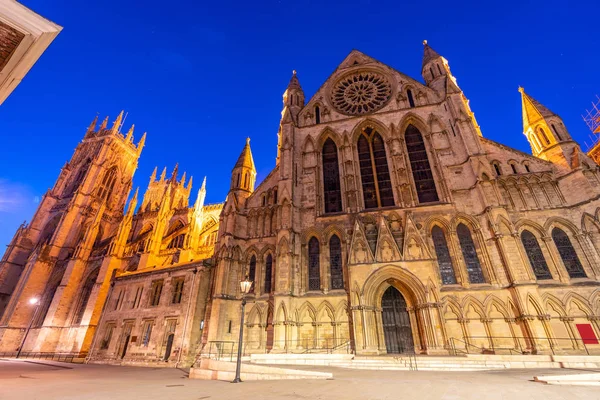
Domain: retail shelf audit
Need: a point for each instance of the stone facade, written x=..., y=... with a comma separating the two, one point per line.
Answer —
x=390, y=224
x=80, y=240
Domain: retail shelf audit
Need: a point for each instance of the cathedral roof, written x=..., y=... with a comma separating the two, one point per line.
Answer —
x=429, y=54
x=533, y=110
x=245, y=159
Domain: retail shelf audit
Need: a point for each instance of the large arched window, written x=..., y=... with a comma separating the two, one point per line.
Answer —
x=108, y=183
x=314, y=270
x=568, y=254
x=335, y=263
x=419, y=163
x=331, y=178
x=469, y=254
x=443, y=256
x=84, y=297
x=269, y=274
x=252, y=272
x=376, y=183
x=535, y=255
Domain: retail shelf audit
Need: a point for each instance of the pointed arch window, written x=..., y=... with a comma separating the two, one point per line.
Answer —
x=419, y=163
x=411, y=100
x=335, y=263
x=514, y=168
x=535, y=255
x=108, y=184
x=568, y=254
x=439, y=68
x=374, y=172
x=469, y=254
x=497, y=169
x=269, y=274
x=84, y=296
x=543, y=134
x=252, y=272
x=331, y=178
x=314, y=270
x=317, y=115
x=443, y=256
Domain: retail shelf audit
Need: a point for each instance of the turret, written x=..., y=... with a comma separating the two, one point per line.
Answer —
x=546, y=133
x=436, y=71
x=293, y=102
x=243, y=175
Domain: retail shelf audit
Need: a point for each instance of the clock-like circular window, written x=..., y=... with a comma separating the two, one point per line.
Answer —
x=361, y=93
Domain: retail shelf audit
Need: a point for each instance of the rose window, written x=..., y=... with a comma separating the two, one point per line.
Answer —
x=361, y=93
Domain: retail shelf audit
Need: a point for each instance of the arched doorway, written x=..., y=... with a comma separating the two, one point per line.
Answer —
x=396, y=322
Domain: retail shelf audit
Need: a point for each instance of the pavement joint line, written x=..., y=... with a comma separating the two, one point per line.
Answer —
x=48, y=365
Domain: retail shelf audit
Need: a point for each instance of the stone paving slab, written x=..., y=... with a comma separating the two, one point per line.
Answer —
x=93, y=382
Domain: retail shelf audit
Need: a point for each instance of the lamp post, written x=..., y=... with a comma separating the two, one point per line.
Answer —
x=34, y=301
x=245, y=286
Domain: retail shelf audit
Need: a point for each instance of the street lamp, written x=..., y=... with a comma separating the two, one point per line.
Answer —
x=245, y=286
x=34, y=301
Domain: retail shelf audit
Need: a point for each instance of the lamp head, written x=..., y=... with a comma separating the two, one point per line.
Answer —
x=33, y=301
x=245, y=285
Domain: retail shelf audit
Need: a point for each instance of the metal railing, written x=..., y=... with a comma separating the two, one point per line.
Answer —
x=224, y=349
x=40, y=355
x=521, y=345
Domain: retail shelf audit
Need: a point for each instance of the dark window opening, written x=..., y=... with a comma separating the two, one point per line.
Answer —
x=335, y=263
x=543, y=133
x=514, y=169
x=411, y=101
x=443, y=256
x=419, y=163
x=568, y=254
x=526, y=167
x=331, y=178
x=268, y=274
x=469, y=254
x=177, y=290
x=314, y=270
x=155, y=292
x=497, y=169
x=374, y=172
x=317, y=115
x=535, y=256
x=439, y=68
x=556, y=132
x=431, y=71
x=252, y=272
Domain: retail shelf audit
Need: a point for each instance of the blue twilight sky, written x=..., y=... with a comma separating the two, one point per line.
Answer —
x=200, y=76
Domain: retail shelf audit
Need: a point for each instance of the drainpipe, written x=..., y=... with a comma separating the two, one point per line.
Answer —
x=187, y=315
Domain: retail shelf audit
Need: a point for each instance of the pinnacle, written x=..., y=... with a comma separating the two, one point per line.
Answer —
x=429, y=54
x=533, y=110
x=245, y=159
x=294, y=82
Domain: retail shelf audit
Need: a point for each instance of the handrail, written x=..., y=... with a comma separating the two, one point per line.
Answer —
x=532, y=343
x=45, y=355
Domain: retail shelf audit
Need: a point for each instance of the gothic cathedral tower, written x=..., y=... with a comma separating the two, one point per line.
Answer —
x=63, y=256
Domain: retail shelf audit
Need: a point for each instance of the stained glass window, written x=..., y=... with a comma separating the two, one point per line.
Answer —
x=331, y=178
x=335, y=263
x=419, y=163
x=535, y=255
x=568, y=254
x=314, y=271
x=374, y=172
x=443, y=256
x=469, y=254
x=268, y=274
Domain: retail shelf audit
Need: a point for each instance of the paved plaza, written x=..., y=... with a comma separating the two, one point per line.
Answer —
x=32, y=380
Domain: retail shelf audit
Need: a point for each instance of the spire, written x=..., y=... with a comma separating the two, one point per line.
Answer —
x=429, y=54
x=141, y=143
x=104, y=124
x=133, y=203
x=117, y=124
x=183, y=179
x=294, y=83
x=129, y=136
x=163, y=174
x=189, y=185
x=245, y=159
x=93, y=125
x=200, y=198
x=533, y=110
x=175, y=171
x=153, y=176
x=203, y=184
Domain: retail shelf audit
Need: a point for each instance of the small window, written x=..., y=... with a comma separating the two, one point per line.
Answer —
x=118, y=302
x=431, y=71
x=275, y=196
x=514, y=169
x=264, y=200
x=110, y=328
x=177, y=290
x=268, y=273
x=252, y=272
x=229, y=327
x=156, y=291
x=497, y=169
x=411, y=101
x=317, y=115
x=146, y=332
x=527, y=167
x=556, y=132
x=439, y=68
x=543, y=134
x=314, y=270
x=137, y=298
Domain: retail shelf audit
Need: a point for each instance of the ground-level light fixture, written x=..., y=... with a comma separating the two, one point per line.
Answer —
x=245, y=287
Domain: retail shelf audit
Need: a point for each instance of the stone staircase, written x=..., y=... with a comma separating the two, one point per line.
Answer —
x=469, y=362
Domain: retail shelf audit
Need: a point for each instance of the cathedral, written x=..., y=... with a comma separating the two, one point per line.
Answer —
x=388, y=224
